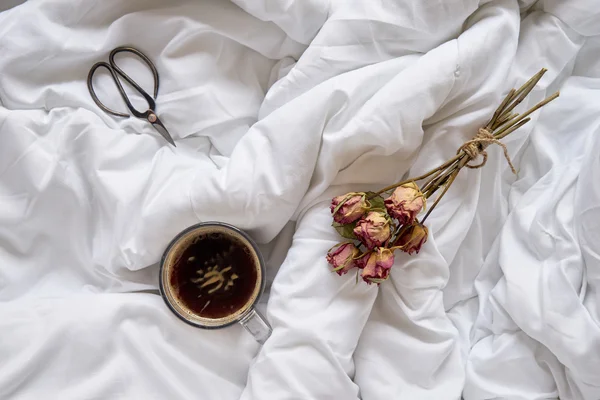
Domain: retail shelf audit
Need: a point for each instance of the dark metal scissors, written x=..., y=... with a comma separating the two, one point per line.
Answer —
x=113, y=68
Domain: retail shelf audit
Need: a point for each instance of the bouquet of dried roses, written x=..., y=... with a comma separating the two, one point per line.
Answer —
x=377, y=224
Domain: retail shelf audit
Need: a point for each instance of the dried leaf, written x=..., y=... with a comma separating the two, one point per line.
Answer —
x=376, y=201
x=345, y=230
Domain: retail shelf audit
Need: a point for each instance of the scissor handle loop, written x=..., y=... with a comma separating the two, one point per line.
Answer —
x=114, y=69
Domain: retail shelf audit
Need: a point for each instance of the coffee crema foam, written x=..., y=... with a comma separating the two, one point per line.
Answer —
x=174, y=264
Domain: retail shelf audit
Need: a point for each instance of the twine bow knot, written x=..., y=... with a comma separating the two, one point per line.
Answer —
x=476, y=147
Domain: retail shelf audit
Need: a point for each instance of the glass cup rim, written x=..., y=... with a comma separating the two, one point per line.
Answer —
x=222, y=225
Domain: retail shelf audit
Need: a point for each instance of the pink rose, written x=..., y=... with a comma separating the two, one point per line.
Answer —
x=342, y=257
x=411, y=239
x=376, y=265
x=349, y=207
x=374, y=229
x=405, y=203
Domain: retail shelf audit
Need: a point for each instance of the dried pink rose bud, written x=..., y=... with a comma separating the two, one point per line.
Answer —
x=342, y=257
x=373, y=229
x=412, y=238
x=405, y=203
x=349, y=207
x=376, y=265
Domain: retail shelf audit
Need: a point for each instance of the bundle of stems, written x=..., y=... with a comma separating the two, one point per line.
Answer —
x=504, y=121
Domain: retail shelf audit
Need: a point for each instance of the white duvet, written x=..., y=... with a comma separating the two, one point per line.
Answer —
x=277, y=106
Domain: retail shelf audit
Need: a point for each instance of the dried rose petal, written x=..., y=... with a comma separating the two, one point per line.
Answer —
x=349, y=207
x=412, y=238
x=373, y=229
x=405, y=203
x=342, y=257
x=376, y=265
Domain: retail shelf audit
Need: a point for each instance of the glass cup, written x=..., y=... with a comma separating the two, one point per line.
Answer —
x=246, y=315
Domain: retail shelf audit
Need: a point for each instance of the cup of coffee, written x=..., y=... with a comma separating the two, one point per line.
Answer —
x=212, y=275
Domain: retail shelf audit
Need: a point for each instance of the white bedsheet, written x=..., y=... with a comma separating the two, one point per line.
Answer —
x=276, y=106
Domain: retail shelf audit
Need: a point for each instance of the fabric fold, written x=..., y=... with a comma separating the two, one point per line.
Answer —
x=276, y=107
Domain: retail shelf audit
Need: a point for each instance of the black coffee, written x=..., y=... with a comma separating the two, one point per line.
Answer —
x=216, y=276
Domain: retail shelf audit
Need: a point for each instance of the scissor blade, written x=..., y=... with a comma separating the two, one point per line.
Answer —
x=163, y=132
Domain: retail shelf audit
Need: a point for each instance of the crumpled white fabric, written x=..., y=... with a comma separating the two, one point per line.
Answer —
x=276, y=107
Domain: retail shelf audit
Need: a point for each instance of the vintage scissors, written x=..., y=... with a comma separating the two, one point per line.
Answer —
x=115, y=72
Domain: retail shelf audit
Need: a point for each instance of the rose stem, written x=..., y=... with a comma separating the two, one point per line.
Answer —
x=435, y=185
x=418, y=178
x=446, y=187
x=525, y=114
x=500, y=110
x=399, y=230
x=430, y=181
x=443, y=179
x=535, y=77
x=503, y=122
x=514, y=128
x=500, y=116
x=432, y=186
x=503, y=119
x=505, y=108
x=524, y=90
x=437, y=181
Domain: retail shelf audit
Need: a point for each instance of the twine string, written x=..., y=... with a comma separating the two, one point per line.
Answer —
x=477, y=147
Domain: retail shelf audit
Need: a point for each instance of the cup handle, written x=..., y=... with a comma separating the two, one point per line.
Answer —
x=257, y=325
